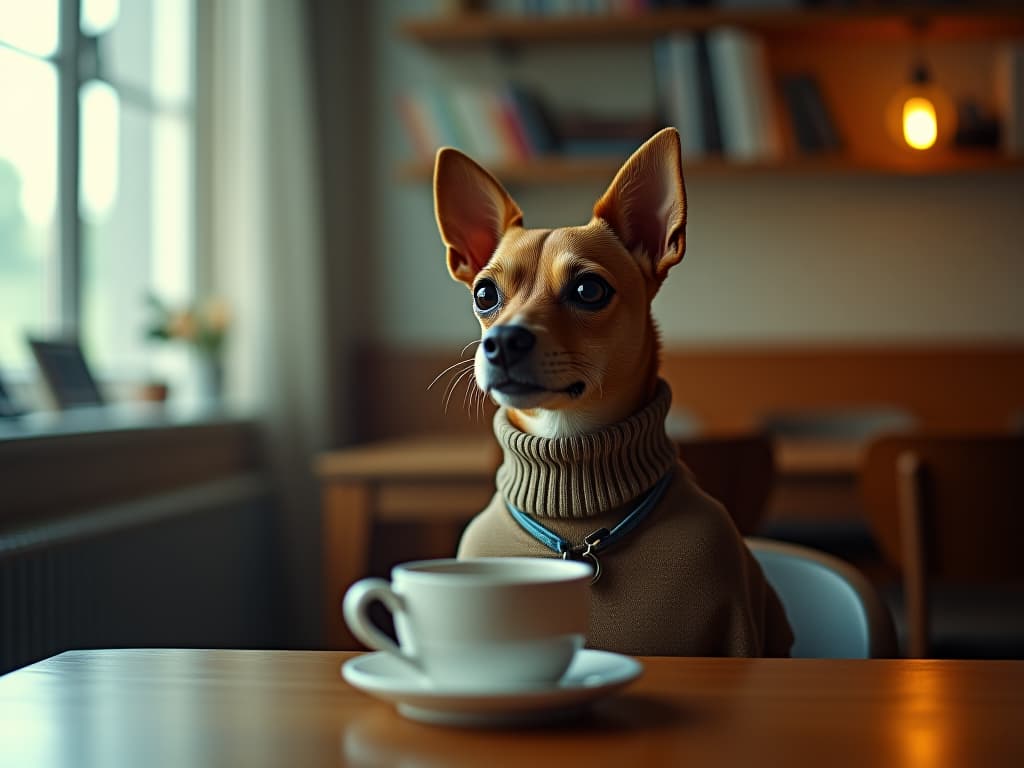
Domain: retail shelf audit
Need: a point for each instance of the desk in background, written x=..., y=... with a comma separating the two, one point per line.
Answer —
x=421, y=479
x=816, y=480
x=447, y=480
x=155, y=708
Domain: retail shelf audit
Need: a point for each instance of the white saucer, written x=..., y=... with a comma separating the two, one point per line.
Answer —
x=591, y=675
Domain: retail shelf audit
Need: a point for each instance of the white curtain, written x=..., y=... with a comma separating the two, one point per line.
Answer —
x=260, y=248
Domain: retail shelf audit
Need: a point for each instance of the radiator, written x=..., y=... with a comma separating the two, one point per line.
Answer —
x=193, y=568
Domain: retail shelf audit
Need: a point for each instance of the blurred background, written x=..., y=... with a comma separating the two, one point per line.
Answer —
x=219, y=269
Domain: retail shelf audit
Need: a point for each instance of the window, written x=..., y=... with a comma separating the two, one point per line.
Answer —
x=96, y=174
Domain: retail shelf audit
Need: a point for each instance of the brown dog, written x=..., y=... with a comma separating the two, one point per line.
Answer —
x=569, y=352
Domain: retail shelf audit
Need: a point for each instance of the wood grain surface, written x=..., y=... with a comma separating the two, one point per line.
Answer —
x=116, y=708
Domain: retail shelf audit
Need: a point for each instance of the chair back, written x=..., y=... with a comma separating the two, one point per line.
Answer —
x=833, y=610
x=738, y=470
x=970, y=494
x=946, y=509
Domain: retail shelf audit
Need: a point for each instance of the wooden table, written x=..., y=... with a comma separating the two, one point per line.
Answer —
x=194, y=708
x=448, y=480
x=413, y=479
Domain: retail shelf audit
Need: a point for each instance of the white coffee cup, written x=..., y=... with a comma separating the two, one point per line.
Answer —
x=502, y=623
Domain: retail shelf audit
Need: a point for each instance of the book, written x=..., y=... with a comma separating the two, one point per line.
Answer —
x=438, y=110
x=536, y=120
x=426, y=122
x=711, y=132
x=421, y=135
x=482, y=132
x=678, y=87
x=743, y=96
x=814, y=130
x=514, y=132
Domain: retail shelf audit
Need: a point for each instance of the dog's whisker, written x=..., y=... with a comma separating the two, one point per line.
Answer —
x=450, y=367
x=467, y=397
x=452, y=387
x=475, y=402
x=449, y=389
x=475, y=341
x=480, y=404
x=467, y=401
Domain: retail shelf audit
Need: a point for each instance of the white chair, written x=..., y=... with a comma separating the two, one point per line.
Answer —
x=834, y=611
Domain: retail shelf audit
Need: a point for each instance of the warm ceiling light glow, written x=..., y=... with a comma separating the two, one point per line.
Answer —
x=920, y=127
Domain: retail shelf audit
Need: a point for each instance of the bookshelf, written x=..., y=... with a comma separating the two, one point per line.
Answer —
x=831, y=23
x=563, y=170
x=797, y=39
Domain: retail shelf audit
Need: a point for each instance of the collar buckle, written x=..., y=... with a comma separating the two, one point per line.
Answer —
x=593, y=540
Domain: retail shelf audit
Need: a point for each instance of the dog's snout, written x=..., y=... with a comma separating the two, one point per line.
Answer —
x=507, y=344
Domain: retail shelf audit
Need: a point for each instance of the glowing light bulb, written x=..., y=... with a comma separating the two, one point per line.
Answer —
x=920, y=116
x=920, y=126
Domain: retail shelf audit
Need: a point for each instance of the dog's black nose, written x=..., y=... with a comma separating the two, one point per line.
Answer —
x=507, y=344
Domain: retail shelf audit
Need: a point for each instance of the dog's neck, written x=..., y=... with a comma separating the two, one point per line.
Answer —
x=620, y=398
x=587, y=474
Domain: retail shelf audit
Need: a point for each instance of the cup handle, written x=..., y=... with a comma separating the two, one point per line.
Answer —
x=355, y=609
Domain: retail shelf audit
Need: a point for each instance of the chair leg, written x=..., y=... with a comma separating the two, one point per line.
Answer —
x=915, y=584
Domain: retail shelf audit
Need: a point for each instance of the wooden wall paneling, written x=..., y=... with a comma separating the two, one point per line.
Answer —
x=943, y=387
x=730, y=388
x=393, y=399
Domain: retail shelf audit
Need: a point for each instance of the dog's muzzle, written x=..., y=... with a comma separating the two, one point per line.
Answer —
x=506, y=349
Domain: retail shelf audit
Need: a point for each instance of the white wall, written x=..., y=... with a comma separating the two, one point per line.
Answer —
x=771, y=257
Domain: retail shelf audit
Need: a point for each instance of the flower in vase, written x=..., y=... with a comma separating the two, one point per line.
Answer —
x=203, y=326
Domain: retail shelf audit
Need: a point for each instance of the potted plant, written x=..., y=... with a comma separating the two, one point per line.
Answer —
x=203, y=326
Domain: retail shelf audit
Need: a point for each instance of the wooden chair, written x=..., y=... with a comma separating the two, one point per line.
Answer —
x=737, y=470
x=841, y=533
x=946, y=510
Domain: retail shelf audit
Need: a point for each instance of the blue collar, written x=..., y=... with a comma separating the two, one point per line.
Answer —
x=600, y=539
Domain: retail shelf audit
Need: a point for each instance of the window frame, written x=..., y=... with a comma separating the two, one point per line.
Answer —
x=64, y=276
x=69, y=264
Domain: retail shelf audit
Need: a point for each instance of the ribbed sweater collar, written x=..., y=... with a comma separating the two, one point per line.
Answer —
x=585, y=475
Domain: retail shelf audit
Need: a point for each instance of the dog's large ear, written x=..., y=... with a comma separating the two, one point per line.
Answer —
x=473, y=211
x=646, y=203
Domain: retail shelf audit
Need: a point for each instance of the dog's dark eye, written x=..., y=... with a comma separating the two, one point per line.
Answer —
x=485, y=296
x=590, y=291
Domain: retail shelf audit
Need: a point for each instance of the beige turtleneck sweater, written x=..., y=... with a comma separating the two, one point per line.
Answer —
x=682, y=583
